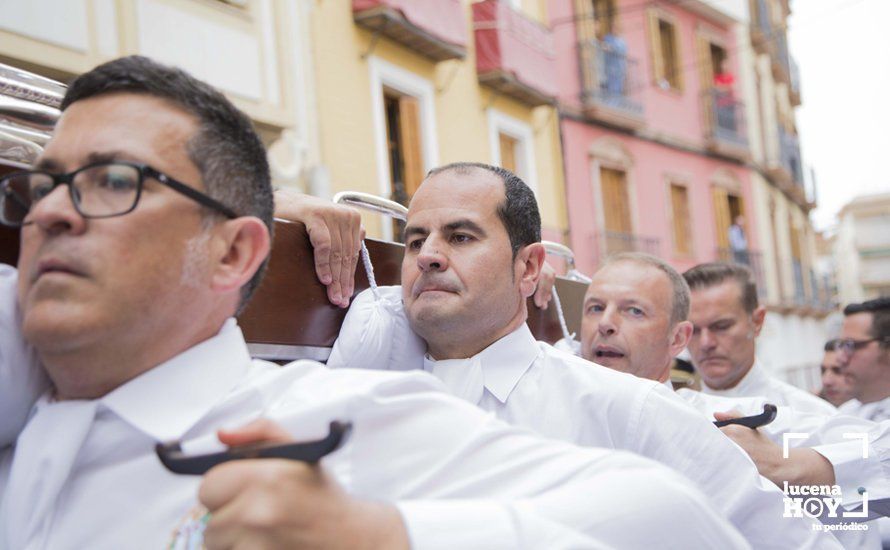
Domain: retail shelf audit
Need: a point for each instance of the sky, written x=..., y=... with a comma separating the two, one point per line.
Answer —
x=843, y=50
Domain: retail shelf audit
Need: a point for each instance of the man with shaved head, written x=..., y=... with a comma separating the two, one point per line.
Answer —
x=472, y=258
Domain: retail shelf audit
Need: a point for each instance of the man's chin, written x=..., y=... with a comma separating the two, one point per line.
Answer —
x=716, y=375
x=614, y=363
x=55, y=329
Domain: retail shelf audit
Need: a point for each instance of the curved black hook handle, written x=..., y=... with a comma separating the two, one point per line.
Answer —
x=176, y=461
x=754, y=421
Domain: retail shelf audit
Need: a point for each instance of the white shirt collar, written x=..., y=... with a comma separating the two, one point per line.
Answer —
x=503, y=363
x=166, y=401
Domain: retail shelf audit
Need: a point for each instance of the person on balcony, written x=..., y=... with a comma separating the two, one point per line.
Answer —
x=615, y=61
x=738, y=241
x=724, y=98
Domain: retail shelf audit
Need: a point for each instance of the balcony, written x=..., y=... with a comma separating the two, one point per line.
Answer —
x=753, y=259
x=781, y=59
x=433, y=28
x=611, y=83
x=789, y=171
x=514, y=54
x=725, y=124
x=794, y=90
x=800, y=297
x=761, y=28
x=607, y=243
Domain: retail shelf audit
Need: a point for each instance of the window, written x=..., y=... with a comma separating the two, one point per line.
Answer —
x=604, y=14
x=716, y=59
x=512, y=146
x=727, y=208
x=403, y=145
x=405, y=132
x=680, y=220
x=616, y=211
x=508, y=145
x=666, y=68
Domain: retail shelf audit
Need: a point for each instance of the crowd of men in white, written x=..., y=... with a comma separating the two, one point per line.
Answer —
x=146, y=225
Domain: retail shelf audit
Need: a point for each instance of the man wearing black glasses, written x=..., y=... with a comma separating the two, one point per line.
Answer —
x=864, y=350
x=145, y=226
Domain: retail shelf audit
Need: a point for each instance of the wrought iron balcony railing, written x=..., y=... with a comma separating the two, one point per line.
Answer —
x=790, y=155
x=725, y=122
x=610, y=78
x=800, y=297
x=795, y=83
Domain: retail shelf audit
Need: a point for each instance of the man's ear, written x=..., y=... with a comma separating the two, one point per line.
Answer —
x=240, y=245
x=757, y=318
x=529, y=261
x=680, y=336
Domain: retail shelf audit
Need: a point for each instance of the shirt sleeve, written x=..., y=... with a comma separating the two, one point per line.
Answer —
x=676, y=435
x=21, y=379
x=483, y=484
x=862, y=470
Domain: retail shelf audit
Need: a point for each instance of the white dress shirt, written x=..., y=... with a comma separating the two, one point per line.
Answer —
x=531, y=384
x=20, y=385
x=83, y=474
x=759, y=383
x=876, y=411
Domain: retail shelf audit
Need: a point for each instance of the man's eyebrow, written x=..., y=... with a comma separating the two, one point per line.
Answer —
x=48, y=165
x=52, y=165
x=464, y=224
x=412, y=230
x=107, y=156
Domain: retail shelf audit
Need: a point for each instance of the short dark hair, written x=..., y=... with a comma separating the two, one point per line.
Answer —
x=226, y=148
x=714, y=273
x=519, y=210
x=880, y=321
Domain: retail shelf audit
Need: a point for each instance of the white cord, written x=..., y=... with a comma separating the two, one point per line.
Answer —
x=369, y=270
x=562, y=318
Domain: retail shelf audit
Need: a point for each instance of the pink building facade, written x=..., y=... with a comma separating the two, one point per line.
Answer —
x=653, y=132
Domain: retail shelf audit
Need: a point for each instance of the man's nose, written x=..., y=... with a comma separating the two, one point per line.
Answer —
x=431, y=258
x=608, y=324
x=56, y=213
x=706, y=339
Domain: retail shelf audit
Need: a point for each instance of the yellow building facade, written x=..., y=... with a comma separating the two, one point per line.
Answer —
x=363, y=76
x=324, y=85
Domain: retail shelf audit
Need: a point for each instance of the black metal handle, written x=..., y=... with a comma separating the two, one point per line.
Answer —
x=753, y=421
x=176, y=461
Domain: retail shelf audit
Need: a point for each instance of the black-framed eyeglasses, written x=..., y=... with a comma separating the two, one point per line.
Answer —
x=849, y=345
x=97, y=190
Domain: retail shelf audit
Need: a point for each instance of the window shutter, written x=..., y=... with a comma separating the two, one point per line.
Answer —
x=681, y=221
x=655, y=55
x=721, y=216
x=507, y=146
x=409, y=126
x=615, y=204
